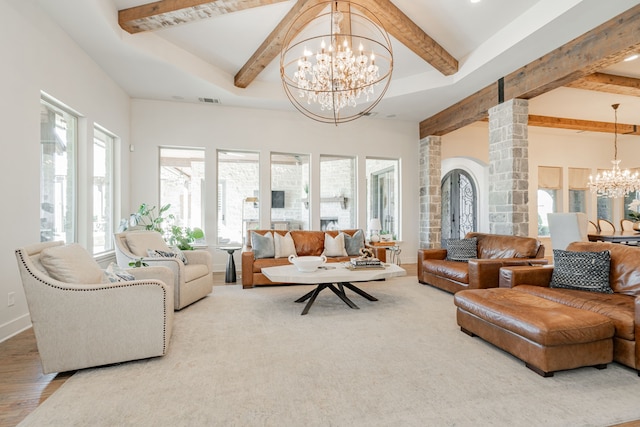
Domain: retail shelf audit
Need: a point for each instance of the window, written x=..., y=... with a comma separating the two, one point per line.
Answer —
x=182, y=185
x=578, y=180
x=337, y=193
x=290, y=191
x=632, y=206
x=103, y=190
x=58, y=145
x=549, y=182
x=382, y=193
x=238, y=204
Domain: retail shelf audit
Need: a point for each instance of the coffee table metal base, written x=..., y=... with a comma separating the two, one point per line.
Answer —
x=339, y=291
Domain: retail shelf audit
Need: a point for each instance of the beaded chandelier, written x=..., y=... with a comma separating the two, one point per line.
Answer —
x=615, y=182
x=336, y=83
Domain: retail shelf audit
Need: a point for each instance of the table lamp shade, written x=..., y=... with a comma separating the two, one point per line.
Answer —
x=374, y=224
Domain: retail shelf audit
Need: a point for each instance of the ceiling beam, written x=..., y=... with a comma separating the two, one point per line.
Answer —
x=410, y=34
x=583, y=125
x=609, y=83
x=168, y=13
x=272, y=45
x=599, y=48
x=393, y=20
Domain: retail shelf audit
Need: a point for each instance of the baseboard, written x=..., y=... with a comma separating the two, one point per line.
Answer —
x=14, y=327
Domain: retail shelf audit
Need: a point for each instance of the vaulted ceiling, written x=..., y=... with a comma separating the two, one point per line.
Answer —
x=445, y=52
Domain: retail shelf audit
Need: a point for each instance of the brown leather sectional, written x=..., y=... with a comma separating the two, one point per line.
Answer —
x=553, y=329
x=494, y=251
x=307, y=242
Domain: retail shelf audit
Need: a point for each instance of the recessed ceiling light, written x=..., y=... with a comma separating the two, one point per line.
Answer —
x=631, y=58
x=475, y=1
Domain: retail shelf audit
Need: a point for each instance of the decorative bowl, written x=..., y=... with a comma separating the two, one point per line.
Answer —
x=307, y=264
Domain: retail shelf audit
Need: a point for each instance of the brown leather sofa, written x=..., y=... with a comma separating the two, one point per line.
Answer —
x=494, y=251
x=307, y=242
x=622, y=307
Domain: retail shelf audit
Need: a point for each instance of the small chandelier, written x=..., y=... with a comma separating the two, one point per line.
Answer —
x=615, y=183
x=349, y=71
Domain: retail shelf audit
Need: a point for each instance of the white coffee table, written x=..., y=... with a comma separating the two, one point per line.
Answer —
x=334, y=276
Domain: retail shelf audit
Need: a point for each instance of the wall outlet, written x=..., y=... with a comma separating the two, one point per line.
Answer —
x=11, y=299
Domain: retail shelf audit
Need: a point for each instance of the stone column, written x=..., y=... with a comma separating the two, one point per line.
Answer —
x=509, y=168
x=430, y=198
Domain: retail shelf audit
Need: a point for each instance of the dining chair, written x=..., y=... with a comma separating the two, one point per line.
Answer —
x=626, y=225
x=565, y=228
x=592, y=228
x=606, y=226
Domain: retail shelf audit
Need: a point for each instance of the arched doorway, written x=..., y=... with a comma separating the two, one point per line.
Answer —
x=459, y=205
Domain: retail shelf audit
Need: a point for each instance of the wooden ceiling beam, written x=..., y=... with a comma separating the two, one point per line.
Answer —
x=272, y=45
x=599, y=48
x=583, y=125
x=407, y=32
x=609, y=83
x=393, y=20
x=168, y=13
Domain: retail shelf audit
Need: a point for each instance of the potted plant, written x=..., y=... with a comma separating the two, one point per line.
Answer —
x=175, y=235
x=183, y=237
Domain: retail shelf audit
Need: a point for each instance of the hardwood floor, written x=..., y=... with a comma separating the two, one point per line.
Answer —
x=24, y=386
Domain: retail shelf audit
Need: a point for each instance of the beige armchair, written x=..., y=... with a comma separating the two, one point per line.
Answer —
x=81, y=319
x=192, y=281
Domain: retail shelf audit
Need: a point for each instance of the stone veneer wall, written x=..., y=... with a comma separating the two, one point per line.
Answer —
x=509, y=168
x=430, y=157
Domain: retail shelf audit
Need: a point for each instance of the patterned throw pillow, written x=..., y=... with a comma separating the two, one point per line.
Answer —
x=155, y=253
x=263, y=246
x=585, y=271
x=114, y=273
x=461, y=249
x=354, y=243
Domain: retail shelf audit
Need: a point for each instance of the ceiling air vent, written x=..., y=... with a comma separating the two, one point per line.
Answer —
x=210, y=100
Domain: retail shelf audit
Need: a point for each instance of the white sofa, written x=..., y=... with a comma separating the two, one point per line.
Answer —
x=192, y=281
x=81, y=320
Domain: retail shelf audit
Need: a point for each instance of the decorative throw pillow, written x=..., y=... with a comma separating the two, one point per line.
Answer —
x=263, y=246
x=334, y=246
x=156, y=253
x=114, y=273
x=284, y=245
x=181, y=255
x=353, y=244
x=585, y=271
x=461, y=249
x=71, y=264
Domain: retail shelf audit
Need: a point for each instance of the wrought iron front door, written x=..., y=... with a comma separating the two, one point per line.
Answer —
x=459, y=205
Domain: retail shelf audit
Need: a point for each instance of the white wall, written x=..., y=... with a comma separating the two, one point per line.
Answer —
x=549, y=147
x=158, y=123
x=38, y=56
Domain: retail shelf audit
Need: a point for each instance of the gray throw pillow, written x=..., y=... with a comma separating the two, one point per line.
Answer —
x=263, y=245
x=585, y=271
x=354, y=243
x=461, y=249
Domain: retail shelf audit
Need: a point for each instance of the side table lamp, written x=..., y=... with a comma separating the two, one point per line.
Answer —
x=374, y=229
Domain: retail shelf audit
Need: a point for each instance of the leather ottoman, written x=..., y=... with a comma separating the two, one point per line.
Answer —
x=546, y=335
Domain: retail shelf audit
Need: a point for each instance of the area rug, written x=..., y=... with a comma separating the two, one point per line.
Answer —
x=246, y=357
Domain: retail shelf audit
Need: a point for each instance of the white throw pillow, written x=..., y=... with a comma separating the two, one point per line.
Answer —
x=334, y=246
x=71, y=264
x=140, y=242
x=284, y=245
